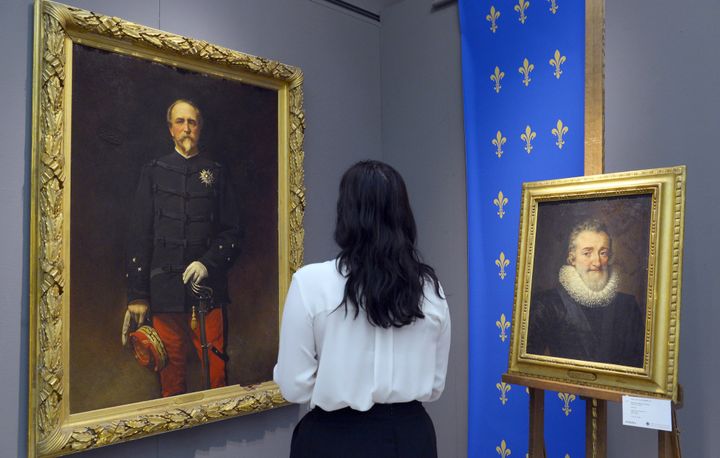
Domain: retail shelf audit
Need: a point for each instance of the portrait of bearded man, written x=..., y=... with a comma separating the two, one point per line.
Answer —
x=585, y=317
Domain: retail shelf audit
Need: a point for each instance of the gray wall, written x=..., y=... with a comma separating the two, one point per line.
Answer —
x=423, y=138
x=662, y=99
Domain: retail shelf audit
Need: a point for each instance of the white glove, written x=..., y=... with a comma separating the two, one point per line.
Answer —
x=135, y=312
x=195, y=272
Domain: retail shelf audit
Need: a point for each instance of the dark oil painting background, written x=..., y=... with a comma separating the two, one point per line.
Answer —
x=627, y=218
x=119, y=108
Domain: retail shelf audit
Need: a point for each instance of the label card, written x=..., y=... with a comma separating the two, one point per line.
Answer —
x=646, y=413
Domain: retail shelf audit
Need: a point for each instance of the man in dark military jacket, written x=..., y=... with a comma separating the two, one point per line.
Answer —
x=184, y=229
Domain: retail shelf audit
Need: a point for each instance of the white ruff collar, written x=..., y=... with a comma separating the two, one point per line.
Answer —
x=576, y=288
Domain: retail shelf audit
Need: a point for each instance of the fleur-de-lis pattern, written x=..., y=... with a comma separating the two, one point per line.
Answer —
x=497, y=76
x=499, y=141
x=502, y=262
x=521, y=122
x=503, y=388
x=557, y=60
x=500, y=201
x=503, y=324
x=503, y=449
x=492, y=18
x=559, y=131
x=553, y=6
x=528, y=136
x=566, y=398
x=525, y=70
x=521, y=7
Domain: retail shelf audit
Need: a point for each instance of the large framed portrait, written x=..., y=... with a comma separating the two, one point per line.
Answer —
x=167, y=206
x=597, y=295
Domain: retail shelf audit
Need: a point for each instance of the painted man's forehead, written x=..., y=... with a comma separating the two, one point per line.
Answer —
x=181, y=105
x=586, y=234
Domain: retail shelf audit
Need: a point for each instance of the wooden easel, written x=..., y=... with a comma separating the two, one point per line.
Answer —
x=595, y=417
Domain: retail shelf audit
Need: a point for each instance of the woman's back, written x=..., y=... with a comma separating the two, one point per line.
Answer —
x=365, y=337
x=335, y=360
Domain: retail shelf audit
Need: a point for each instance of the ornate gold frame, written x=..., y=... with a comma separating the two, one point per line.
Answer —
x=52, y=429
x=658, y=376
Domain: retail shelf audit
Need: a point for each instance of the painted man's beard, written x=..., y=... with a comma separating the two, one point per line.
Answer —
x=186, y=144
x=594, y=279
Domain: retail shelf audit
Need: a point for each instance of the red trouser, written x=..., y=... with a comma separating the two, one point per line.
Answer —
x=175, y=332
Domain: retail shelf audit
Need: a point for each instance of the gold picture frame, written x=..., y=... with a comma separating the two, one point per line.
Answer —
x=607, y=346
x=70, y=45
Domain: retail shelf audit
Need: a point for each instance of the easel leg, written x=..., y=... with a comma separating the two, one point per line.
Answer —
x=669, y=441
x=537, y=423
x=595, y=428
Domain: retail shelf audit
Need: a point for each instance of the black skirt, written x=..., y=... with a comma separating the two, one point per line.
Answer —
x=402, y=430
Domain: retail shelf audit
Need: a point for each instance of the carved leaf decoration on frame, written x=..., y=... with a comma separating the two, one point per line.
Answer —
x=49, y=291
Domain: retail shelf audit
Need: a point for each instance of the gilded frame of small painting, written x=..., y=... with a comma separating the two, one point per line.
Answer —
x=102, y=88
x=598, y=288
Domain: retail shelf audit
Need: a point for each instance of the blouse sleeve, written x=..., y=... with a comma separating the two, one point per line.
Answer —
x=441, y=357
x=297, y=359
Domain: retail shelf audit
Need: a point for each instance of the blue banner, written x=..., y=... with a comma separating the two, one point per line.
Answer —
x=523, y=83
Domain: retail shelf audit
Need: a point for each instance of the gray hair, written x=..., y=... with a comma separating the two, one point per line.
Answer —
x=192, y=104
x=588, y=225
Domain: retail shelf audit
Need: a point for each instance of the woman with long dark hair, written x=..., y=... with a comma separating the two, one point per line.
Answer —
x=365, y=337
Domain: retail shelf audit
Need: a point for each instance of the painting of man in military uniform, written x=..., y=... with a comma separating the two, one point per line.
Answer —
x=184, y=231
x=588, y=300
x=174, y=189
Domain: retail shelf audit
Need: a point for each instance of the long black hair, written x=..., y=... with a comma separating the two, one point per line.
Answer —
x=376, y=233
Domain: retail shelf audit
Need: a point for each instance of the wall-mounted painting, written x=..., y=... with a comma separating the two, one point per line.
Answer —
x=167, y=206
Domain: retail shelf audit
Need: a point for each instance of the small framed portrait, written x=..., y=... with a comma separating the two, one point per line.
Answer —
x=597, y=297
x=167, y=208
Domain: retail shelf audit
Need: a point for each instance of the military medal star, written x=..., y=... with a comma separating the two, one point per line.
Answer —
x=207, y=178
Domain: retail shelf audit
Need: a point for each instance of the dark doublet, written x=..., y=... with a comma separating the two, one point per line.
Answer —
x=561, y=327
x=184, y=211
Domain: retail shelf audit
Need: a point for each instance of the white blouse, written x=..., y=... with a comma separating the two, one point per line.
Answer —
x=337, y=361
